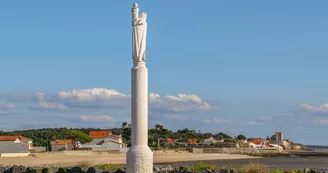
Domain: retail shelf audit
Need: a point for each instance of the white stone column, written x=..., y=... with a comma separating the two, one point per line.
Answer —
x=139, y=158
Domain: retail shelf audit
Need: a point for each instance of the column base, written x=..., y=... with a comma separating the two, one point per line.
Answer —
x=139, y=159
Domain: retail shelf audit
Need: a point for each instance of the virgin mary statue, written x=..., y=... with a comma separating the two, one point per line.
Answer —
x=139, y=32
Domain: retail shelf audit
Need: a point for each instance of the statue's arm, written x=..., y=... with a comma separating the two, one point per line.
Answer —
x=142, y=19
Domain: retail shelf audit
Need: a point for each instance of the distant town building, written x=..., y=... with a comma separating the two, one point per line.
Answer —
x=15, y=146
x=104, y=140
x=297, y=146
x=279, y=136
x=279, y=140
x=192, y=141
x=275, y=147
x=60, y=145
x=258, y=143
x=39, y=149
x=100, y=134
x=168, y=140
x=213, y=140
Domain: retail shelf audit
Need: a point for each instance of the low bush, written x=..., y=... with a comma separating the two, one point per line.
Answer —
x=108, y=167
x=201, y=167
x=254, y=168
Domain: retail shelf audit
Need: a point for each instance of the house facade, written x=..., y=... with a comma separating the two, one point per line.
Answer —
x=61, y=145
x=258, y=143
x=105, y=141
x=275, y=147
x=15, y=146
x=192, y=142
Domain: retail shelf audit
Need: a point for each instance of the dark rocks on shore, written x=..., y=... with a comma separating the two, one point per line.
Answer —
x=156, y=169
x=94, y=170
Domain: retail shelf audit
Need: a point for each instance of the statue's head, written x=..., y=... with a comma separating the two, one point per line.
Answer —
x=135, y=5
x=143, y=16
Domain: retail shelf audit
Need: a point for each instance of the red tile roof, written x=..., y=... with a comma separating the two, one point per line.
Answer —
x=63, y=142
x=192, y=141
x=100, y=133
x=257, y=141
x=169, y=140
x=13, y=138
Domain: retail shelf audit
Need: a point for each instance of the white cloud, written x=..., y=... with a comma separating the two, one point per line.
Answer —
x=264, y=118
x=50, y=106
x=179, y=103
x=88, y=98
x=100, y=118
x=6, y=106
x=90, y=95
x=217, y=121
x=321, y=108
x=185, y=98
x=108, y=98
x=174, y=116
x=320, y=122
x=39, y=96
x=255, y=123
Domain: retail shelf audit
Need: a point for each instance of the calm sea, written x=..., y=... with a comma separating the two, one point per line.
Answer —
x=321, y=150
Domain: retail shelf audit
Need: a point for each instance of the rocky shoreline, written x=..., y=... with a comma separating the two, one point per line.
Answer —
x=156, y=169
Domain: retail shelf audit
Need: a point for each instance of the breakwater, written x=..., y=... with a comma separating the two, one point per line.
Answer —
x=198, y=168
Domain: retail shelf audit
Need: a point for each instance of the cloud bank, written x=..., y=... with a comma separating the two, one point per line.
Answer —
x=108, y=98
x=6, y=105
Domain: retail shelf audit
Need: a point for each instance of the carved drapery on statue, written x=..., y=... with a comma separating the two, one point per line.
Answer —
x=139, y=32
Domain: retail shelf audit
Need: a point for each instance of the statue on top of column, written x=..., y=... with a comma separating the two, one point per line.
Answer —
x=139, y=32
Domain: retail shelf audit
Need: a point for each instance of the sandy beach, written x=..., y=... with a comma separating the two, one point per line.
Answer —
x=66, y=159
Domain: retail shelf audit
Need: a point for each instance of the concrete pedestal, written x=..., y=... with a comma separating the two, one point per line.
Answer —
x=139, y=158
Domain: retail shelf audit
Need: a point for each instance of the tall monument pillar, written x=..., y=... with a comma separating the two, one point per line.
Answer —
x=139, y=158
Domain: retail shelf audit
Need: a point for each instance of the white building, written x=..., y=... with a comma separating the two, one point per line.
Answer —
x=279, y=136
x=15, y=146
x=276, y=147
x=105, y=141
x=258, y=143
x=61, y=145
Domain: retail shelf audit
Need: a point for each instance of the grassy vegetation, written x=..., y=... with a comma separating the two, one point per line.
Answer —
x=108, y=167
x=254, y=168
x=200, y=167
x=260, y=168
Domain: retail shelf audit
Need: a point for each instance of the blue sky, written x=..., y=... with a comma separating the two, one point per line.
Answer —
x=250, y=67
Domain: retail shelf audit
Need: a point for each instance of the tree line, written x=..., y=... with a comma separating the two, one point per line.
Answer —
x=42, y=137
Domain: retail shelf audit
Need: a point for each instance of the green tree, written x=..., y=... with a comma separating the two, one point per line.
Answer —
x=124, y=125
x=273, y=137
x=222, y=136
x=126, y=133
x=77, y=135
x=241, y=137
x=159, y=127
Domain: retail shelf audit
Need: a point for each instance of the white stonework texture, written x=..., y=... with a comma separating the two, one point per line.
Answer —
x=139, y=158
